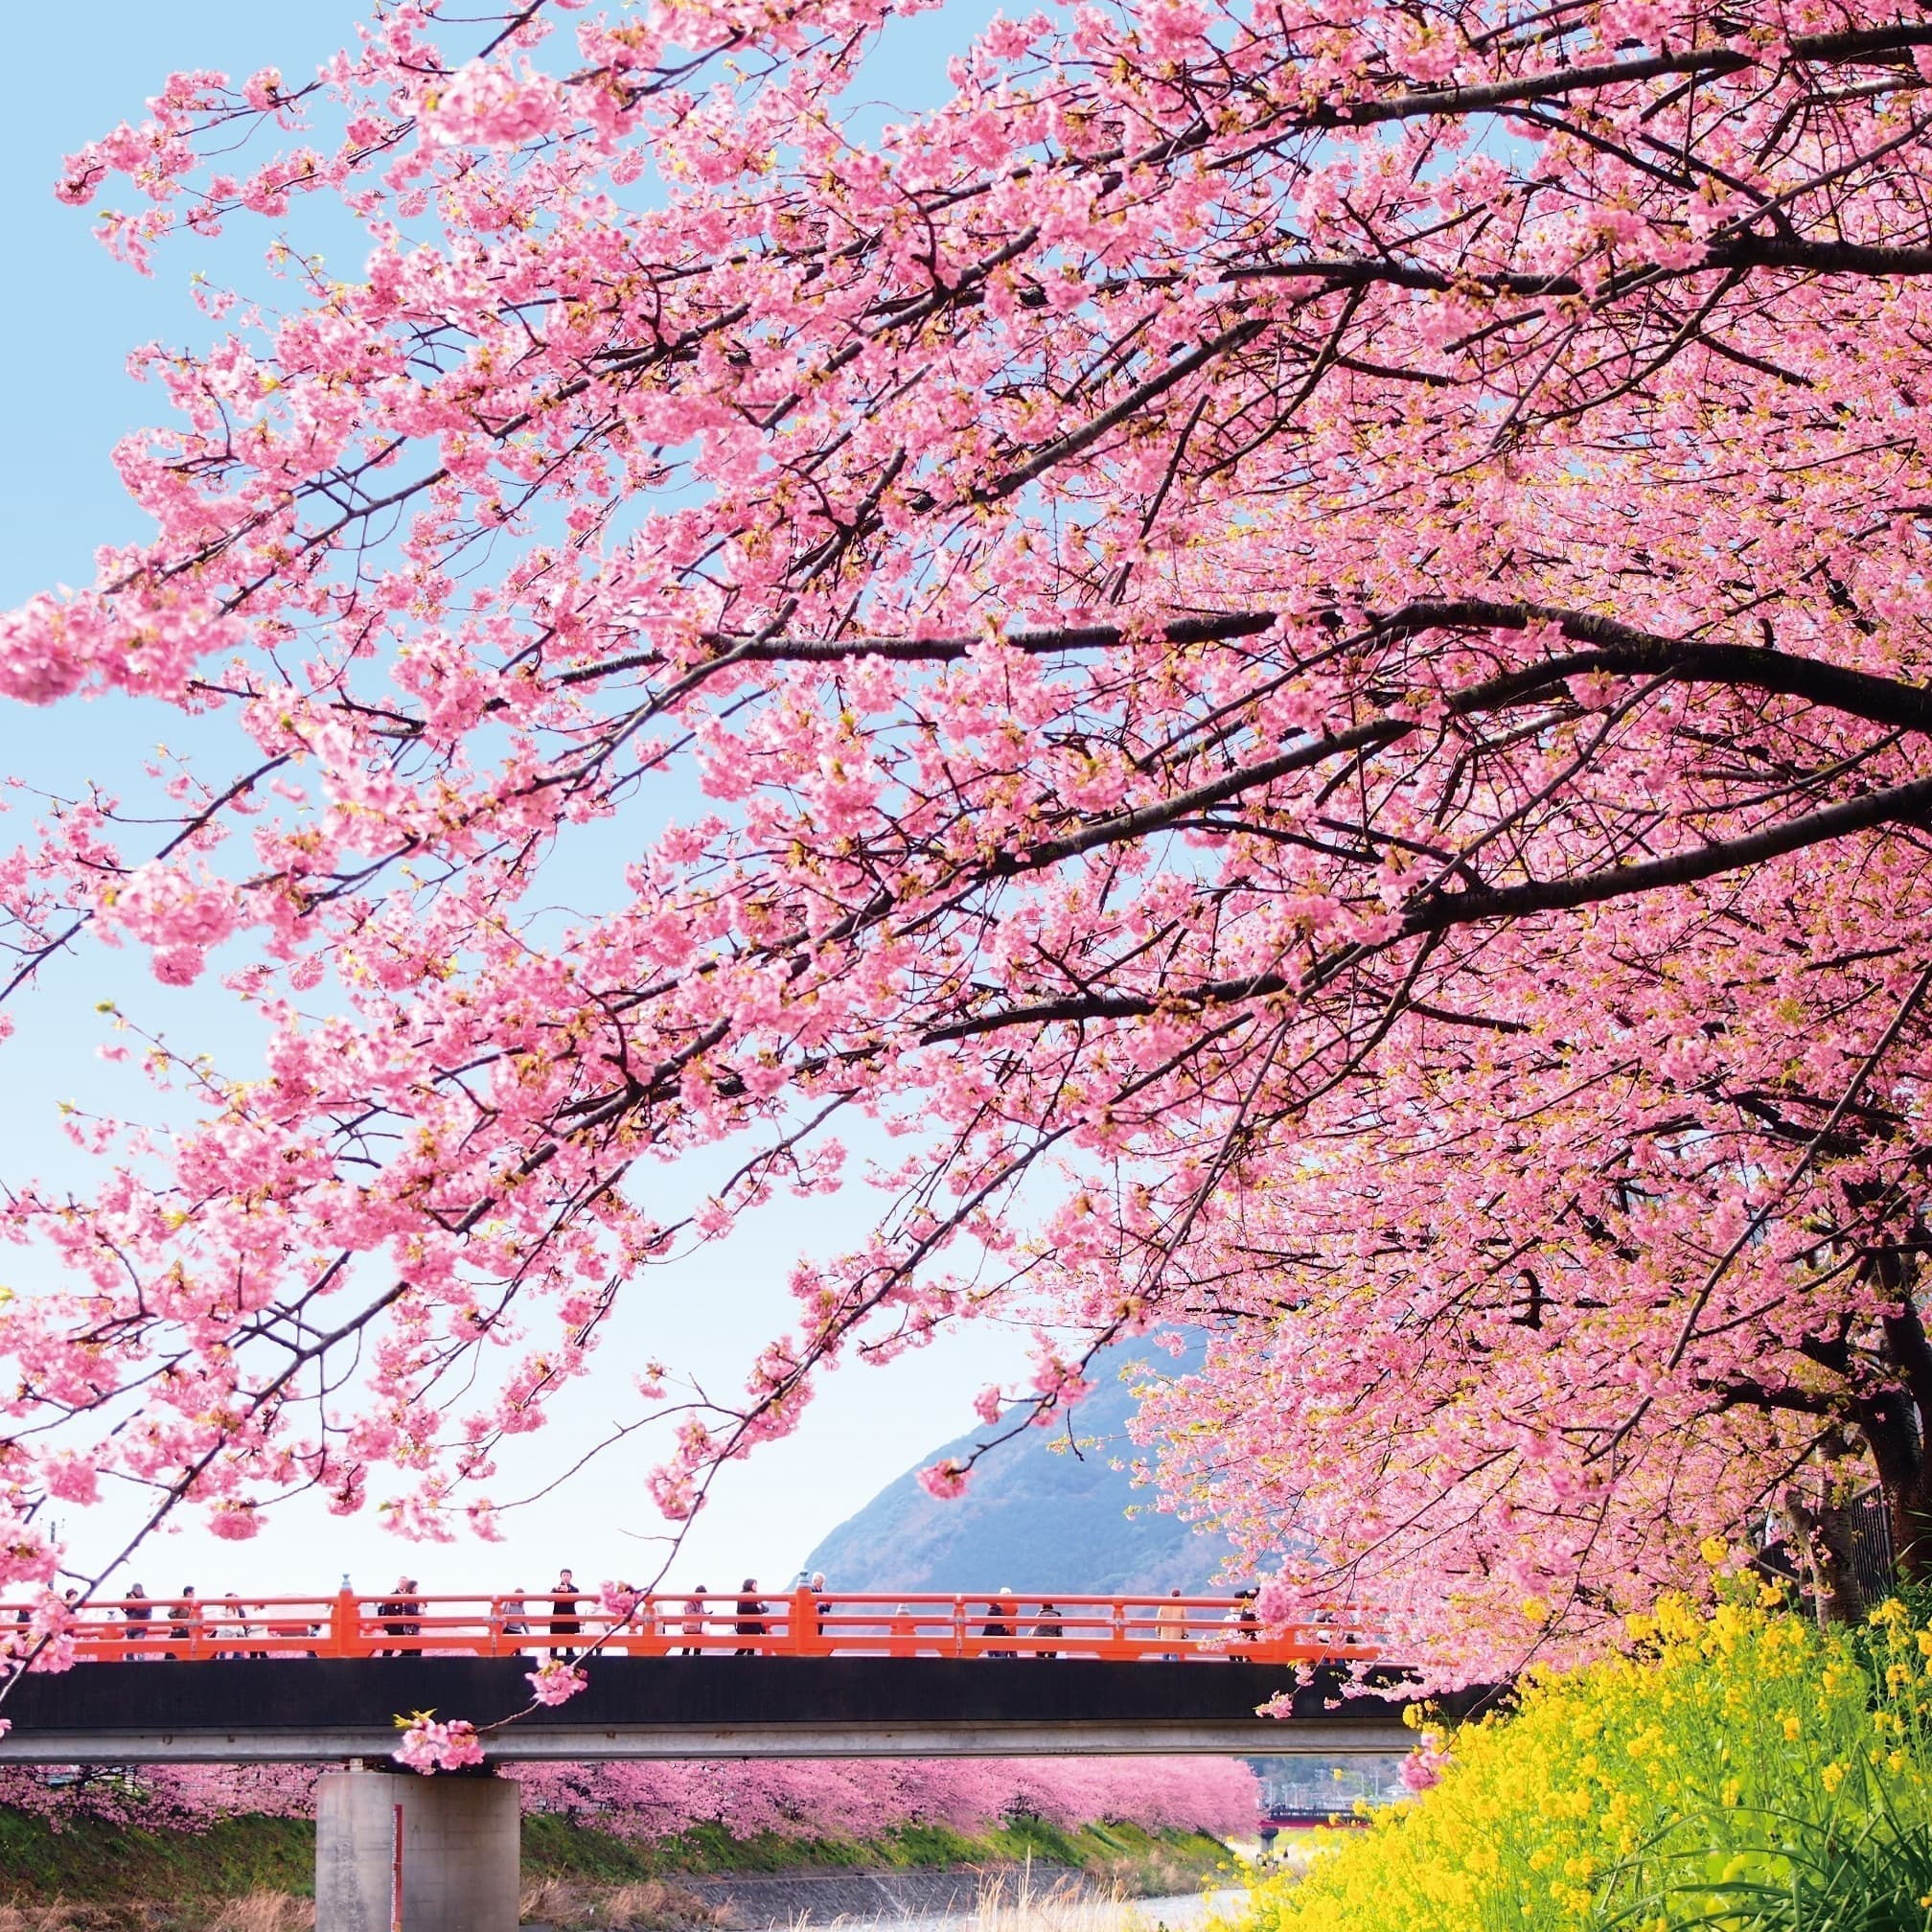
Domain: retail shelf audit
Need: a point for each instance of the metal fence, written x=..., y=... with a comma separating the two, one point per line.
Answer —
x=1869, y=1554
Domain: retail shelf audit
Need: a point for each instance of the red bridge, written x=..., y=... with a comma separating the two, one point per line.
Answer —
x=323, y=1680
x=802, y=1624
x=315, y=1679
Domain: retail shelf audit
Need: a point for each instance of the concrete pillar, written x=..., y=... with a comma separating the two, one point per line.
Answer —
x=460, y=1852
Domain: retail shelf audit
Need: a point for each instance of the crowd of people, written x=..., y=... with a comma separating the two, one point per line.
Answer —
x=1241, y=1624
x=553, y=1622
x=214, y=1626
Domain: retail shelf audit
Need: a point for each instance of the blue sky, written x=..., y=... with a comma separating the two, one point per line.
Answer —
x=72, y=318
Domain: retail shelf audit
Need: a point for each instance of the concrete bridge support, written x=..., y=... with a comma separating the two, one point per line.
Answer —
x=399, y=1852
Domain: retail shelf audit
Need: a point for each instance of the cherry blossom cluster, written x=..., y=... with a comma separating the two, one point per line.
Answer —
x=432, y=1744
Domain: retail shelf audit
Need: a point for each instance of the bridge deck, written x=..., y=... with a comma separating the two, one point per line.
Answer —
x=322, y=1710
x=803, y=1674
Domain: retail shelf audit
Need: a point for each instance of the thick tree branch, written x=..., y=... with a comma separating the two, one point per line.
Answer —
x=1856, y=44
x=1744, y=251
x=1902, y=804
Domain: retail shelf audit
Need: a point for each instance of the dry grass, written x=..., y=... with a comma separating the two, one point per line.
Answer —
x=648, y=1907
x=1007, y=1902
x=63, y=1916
x=1015, y=1903
x=264, y=1912
x=52, y=1917
x=1018, y=1905
x=550, y=1901
x=653, y=1905
x=257, y=1912
x=1159, y=1872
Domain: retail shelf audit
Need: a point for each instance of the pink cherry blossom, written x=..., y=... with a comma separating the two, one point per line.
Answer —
x=428, y=1745
x=946, y=1480
x=1281, y=650
x=556, y=1682
x=1422, y=1769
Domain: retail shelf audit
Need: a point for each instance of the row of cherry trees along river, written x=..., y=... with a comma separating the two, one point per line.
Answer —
x=643, y=1802
x=1291, y=639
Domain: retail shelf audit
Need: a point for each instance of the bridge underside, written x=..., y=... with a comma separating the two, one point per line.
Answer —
x=322, y=1710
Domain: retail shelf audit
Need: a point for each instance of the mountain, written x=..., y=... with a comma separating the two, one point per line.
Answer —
x=1036, y=1518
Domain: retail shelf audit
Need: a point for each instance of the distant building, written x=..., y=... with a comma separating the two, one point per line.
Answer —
x=1303, y=1789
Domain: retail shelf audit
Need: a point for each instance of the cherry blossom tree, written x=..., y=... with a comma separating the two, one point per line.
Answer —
x=1290, y=641
x=648, y=1802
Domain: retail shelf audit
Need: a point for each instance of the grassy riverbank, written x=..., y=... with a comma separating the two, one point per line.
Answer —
x=120, y=1869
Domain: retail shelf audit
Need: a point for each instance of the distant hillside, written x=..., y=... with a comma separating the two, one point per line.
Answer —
x=1035, y=1518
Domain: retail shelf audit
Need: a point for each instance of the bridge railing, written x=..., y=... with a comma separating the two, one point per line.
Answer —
x=799, y=1623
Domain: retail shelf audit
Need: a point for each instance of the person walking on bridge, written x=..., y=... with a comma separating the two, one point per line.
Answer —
x=564, y=1620
x=694, y=1621
x=752, y=1614
x=1171, y=1621
x=999, y=1623
x=1048, y=1626
x=395, y=1613
x=1243, y=1624
x=137, y=1616
x=181, y=1621
x=390, y=1610
x=235, y=1624
x=515, y=1611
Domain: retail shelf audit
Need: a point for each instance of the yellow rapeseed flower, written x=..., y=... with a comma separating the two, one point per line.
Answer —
x=1619, y=1786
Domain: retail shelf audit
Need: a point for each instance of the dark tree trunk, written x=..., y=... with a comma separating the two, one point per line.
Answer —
x=1899, y=1426
x=1885, y=1412
x=1894, y=1432
x=1819, y=1536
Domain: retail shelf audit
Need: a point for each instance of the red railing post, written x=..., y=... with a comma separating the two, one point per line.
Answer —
x=650, y=1629
x=345, y=1627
